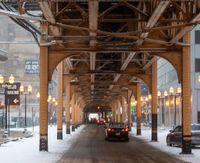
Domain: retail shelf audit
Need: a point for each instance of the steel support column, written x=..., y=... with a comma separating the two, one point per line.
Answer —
x=67, y=109
x=138, y=108
x=118, y=109
x=154, y=101
x=129, y=110
x=43, y=94
x=60, y=102
x=186, y=97
x=123, y=109
x=73, y=112
x=114, y=112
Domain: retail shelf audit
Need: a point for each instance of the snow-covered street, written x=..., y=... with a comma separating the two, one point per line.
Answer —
x=27, y=150
x=161, y=144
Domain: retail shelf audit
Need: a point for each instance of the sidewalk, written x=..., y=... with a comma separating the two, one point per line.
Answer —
x=161, y=144
x=15, y=134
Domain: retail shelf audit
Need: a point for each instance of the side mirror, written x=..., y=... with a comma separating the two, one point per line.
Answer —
x=170, y=130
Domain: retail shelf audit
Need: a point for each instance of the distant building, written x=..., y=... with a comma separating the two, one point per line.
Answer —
x=167, y=77
x=23, y=63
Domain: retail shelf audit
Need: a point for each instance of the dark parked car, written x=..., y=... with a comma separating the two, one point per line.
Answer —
x=116, y=130
x=175, y=136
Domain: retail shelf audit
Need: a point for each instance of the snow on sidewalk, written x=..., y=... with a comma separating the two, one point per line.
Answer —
x=161, y=144
x=27, y=150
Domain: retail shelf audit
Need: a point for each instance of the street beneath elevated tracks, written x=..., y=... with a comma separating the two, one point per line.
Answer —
x=91, y=147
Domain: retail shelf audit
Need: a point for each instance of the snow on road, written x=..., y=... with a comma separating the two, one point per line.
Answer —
x=27, y=150
x=161, y=144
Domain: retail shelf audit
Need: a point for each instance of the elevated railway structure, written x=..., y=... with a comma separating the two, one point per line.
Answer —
x=104, y=49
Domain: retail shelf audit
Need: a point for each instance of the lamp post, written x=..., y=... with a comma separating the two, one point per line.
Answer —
x=25, y=90
x=178, y=92
x=163, y=106
x=11, y=80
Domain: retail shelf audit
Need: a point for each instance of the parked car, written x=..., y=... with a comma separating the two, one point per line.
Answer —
x=175, y=135
x=116, y=130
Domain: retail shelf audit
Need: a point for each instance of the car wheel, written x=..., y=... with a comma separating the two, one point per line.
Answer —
x=106, y=138
x=168, y=142
x=127, y=139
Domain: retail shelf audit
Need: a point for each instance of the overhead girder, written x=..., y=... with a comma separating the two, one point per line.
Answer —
x=157, y=30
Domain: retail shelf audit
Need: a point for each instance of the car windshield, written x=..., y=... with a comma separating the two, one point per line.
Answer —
x=117, y=125
x=195, y=127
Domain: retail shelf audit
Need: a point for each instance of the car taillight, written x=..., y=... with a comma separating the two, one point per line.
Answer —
x=125, y=130
x=109, y=129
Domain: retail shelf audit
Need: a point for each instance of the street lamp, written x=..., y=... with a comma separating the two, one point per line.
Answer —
x=11, y=80
x=25, y=90
x=175, y=94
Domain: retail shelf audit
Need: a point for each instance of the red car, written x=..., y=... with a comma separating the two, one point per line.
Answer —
x=116, y=130
x=101, y=121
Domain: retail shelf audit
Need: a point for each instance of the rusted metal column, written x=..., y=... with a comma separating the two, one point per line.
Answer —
x=138, y=108
x=60, y=102
x=186, y=97
x=119, y=114
x=123, y=108
x=44, y=94
x=114, y=112
x=67, y=109
x=129, y=110
x=73, y=112
x=154, y=134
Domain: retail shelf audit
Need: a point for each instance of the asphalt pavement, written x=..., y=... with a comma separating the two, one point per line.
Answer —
x=91, y=147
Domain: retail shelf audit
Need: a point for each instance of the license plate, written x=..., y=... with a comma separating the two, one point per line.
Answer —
x=118, y=134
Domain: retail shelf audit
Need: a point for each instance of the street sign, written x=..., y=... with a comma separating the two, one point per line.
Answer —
x=12, y=93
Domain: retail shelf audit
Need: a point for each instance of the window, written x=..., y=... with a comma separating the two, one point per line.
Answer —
x=198, y=117
x=197, y=37
x=178, y=129
x=197, y=65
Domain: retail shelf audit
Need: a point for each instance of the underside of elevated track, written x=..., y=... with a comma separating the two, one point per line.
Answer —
x=104, y=50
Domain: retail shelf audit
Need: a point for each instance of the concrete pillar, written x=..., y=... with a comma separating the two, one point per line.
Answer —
x=44, y=95
x=67, y=109
x=123, y=108
x=73, y=112
x=118, y=109
x=186, y=97
x=138, y=108
x=60, y=102
x=154, y=134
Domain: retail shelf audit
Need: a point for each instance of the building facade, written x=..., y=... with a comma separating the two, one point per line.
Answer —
x=167, y=77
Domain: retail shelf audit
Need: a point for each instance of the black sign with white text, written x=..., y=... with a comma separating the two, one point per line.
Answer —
x=12, y=93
